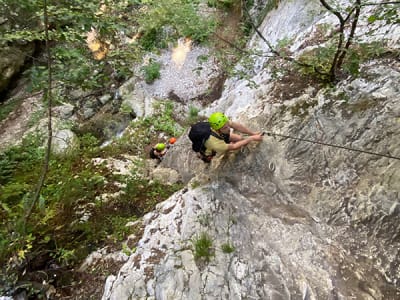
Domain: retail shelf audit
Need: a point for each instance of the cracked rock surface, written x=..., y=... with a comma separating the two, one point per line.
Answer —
x=304, y=221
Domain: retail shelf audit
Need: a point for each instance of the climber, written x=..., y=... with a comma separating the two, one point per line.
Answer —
x=160, y=149
x=216, y=136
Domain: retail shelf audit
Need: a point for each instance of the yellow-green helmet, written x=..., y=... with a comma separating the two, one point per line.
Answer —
x=160, y=147
x=217, y=120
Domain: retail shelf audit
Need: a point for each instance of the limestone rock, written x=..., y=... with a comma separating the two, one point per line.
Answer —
x=12, y=59
x=64, y=141
x=303, y=220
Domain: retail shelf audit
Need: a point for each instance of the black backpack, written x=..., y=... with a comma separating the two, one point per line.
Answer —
x=152, y=155
x=199, y=134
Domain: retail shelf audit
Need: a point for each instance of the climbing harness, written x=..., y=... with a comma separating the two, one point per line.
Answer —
x=330, y=145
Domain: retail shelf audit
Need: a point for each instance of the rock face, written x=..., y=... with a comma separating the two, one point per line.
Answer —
x=13, y=128
x=192, y=77
x=64, y=142
x=12, y=59
x=304, y=221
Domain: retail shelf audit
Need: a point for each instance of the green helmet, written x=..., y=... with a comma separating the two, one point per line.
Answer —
x=217, y=120
x=160, y=147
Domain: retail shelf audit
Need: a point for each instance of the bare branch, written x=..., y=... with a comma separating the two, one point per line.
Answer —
x=382, y=3
x=340, y=51
x=349, y=14
x=48, y=97
x=238, y=48
x=277, y=53
x=351, y=35
x=233, y=45
x=332, y=10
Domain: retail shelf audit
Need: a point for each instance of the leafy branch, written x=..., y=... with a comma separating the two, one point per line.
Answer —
x=381, y=3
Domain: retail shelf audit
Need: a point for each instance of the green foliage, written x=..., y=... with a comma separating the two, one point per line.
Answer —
x=20, y=159
x=319, y=59
x=20, y=14
x=64, y=256
x=126, y=250
x=202, y=58
x=8, y=107
x=204, y=220
x=227, y=248
x=283, y=45
x=388, y=13
x=151, y=72
x=166, y=20
x=73, y=63
x=360, y=53
x=163, y=120
x=65, y=220
x=193, y=114
x=153, y=38
x=7, y=166
x=89, y=145
x=143, y=195
x=221, y=3
x=149, y=25
x=203, y=247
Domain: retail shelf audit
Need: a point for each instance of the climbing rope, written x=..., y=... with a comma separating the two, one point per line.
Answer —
x=330, y=145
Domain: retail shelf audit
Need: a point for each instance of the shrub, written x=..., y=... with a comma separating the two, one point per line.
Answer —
x=221, y=3
x=227, y=248
x=167, y=20
x=151, y=72
x=193, y=114
x=203, y=247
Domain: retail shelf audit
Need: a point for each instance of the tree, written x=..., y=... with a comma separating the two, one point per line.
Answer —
x=341, y=50
x=348, y=17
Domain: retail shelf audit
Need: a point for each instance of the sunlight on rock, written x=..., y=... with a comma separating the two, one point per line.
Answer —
x=129, y=40
x=98, y=48
x=180, y=52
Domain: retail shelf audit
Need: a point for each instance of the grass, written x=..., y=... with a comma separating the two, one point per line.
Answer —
x=227, y=248
x=203, y=247
x=151, y=72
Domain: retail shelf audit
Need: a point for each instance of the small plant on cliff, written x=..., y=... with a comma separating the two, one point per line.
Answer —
x=203, y=247
x=164, y=119
x=193, y=116
x=151, y=72
x=227, y=248
x=221, y=3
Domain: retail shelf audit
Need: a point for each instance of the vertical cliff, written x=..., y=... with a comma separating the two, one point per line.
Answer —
x=286, y=219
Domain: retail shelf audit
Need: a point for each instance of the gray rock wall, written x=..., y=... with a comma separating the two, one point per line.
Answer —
x=12, y=59
x=306, y=221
